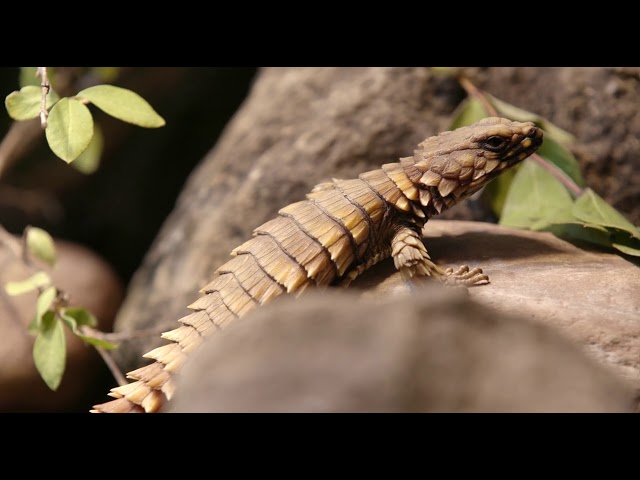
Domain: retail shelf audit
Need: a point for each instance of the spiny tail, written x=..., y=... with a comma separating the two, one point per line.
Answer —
x=297, y=249
x=331, y=237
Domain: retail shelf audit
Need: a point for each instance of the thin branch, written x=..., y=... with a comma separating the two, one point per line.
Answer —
x=475, y=92
x=44, y=114
x=559, y=174
x=115, y=337
x=562, y=177
x=113, y=368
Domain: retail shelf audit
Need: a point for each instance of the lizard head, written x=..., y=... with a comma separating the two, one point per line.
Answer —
x=457, y=164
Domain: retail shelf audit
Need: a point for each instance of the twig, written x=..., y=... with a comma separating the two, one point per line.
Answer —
x=115, y=337
x=474, y=92
x=113, y=368
x=562, y=177
x=122, y=336
x=558, y=174
x=44, y=114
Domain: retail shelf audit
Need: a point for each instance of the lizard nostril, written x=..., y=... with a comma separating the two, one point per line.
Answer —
x=534, y=132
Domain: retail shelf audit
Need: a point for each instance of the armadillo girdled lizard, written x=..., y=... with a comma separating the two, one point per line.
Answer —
x=340, y=230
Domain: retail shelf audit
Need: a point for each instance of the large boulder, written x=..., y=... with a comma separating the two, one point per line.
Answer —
x=433, y=351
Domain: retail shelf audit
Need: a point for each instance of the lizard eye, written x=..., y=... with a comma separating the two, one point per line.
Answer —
x=495, y=143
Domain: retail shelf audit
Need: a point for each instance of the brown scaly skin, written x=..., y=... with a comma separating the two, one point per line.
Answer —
x=340, y=230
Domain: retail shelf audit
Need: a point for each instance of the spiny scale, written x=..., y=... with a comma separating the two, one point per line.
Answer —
x=341, y=229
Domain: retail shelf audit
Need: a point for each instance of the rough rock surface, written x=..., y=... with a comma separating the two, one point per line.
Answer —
x=435, y=352
x=90, y=282
x=592, y=297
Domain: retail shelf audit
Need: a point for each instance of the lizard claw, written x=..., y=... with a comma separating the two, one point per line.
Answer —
x=465, y=276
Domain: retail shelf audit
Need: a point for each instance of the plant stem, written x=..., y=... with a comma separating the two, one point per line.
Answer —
x=113, y=368
x=44, y=114
x=121, y=336
x=475, y=92
x=557, y=172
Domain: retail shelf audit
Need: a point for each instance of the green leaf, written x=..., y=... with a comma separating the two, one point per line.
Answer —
x=89, y=160
x=70, y=321
x=518, y=114
x=585, y=233
x=627, y=246
x=28, y=77
x=96, y=342
x=591, y=208
x=40, y=245
x=25, y=104
x=40, y=279
x=43, y=303
x=123, y=104
x=32, y=328
x=555, y=153
x=70, y=129
x=49, y=351
x=535, y=200
x=81, y=316
x=468, y=112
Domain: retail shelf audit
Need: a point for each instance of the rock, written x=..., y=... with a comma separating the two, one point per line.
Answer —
x=91, y=283
x=590, y=296
x=433, y=352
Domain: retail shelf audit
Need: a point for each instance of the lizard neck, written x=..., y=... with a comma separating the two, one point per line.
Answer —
x=427, y=201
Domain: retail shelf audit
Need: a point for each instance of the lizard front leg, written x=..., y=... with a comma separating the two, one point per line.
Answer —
x=411, y=258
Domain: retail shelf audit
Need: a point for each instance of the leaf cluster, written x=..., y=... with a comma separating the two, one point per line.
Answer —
x=52, y=312
x=70, y=129
x=531, y=196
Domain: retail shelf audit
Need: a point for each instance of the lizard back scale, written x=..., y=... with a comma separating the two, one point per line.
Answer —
x=340, y=230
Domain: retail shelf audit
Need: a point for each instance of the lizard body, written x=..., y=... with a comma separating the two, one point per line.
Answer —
x=341, y=229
